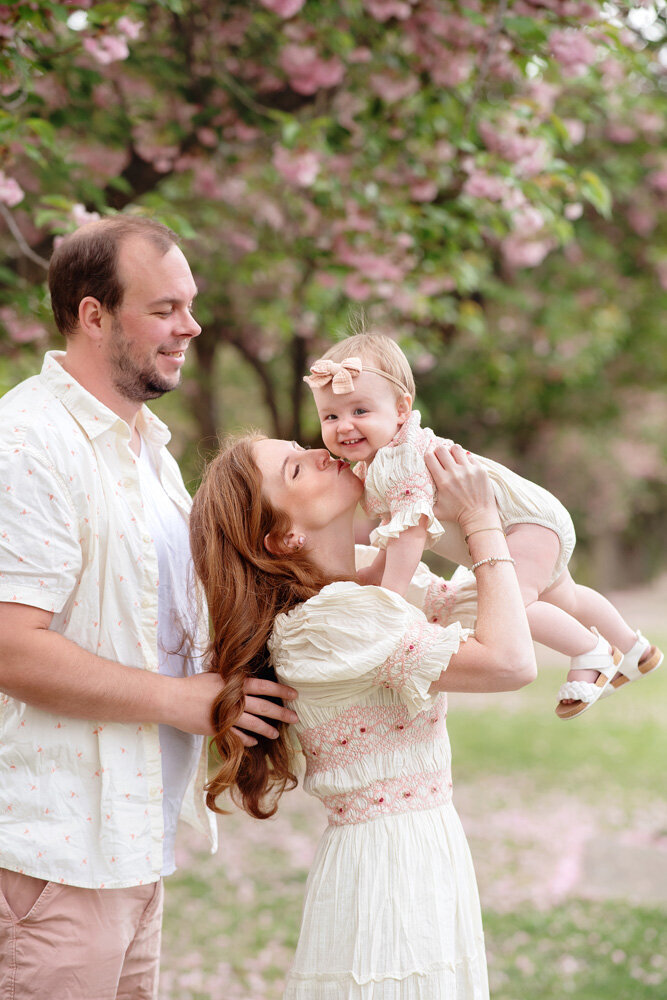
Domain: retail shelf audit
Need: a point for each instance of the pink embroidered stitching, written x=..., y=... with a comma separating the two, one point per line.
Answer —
x=425, y=790
x=401, y=495
x=415, y=645
x=357, y=732
x=439, y=600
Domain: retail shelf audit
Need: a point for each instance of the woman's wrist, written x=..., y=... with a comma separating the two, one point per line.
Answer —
x=479, y=519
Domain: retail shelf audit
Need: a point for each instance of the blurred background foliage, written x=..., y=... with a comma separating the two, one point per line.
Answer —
x=485, y=181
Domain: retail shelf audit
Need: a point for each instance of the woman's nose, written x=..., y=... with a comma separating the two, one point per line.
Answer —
x=323, y=458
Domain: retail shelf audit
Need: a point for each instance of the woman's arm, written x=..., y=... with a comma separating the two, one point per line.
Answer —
x=500, y=656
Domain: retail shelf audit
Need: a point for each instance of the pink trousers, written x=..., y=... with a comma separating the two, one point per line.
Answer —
x=59, y=942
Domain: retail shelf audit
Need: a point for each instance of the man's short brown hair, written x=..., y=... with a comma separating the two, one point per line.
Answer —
x=86, y=263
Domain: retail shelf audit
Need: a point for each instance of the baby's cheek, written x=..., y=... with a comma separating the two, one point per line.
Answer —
x=328, y=436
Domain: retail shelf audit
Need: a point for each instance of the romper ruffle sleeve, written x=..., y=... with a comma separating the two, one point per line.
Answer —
x=399, y=487
x=348, y=640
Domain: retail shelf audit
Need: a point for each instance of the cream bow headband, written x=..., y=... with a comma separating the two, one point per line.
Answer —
x=342, y=375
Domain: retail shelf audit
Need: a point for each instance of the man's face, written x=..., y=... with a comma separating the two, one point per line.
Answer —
x=150, y=332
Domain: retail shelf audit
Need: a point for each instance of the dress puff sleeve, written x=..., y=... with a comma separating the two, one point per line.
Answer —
x=349, y=640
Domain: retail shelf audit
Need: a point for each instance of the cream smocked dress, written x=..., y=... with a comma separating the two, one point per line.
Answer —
x=399, y=488
x=391, y=909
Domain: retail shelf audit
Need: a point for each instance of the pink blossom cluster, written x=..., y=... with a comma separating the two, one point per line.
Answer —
x=384, y=10
x=80, y=215
x=283, y=8
x=106, y=48
x=11, y=192
x=581, y=10
x=373, y=266
x=440, y=48
x=298, y=166
x=658, y=180
x=481, y=184
x=393, y=86
x=528, y=152
x=21, y=331
x=519, y=252
x=573, y=50
x=307, y=71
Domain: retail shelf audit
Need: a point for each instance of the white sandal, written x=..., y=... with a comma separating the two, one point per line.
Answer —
x=631, y=669
x=586, y=693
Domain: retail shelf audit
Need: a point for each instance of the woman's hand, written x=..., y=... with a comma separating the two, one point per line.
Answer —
x=464, y=489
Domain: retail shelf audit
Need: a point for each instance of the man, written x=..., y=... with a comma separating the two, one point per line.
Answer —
x=103, y=711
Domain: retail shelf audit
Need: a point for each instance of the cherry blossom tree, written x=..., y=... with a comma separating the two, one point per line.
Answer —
x=486, y=181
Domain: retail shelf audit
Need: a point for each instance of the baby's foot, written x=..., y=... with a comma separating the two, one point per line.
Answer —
x=588, y=678
x=581, y=674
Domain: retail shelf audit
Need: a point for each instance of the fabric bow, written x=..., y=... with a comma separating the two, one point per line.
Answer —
x=340, y=375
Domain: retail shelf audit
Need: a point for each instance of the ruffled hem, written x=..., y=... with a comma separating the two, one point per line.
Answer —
x=409, y=517
x=465, y=981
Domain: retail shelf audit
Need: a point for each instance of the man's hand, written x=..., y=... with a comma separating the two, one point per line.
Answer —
x=258, y=708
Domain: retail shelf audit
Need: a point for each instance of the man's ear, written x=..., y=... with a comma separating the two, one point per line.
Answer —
x=404, y=407
x=90, y=317
x=290, y=543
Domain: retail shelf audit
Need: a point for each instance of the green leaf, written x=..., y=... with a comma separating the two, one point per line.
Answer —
x=596, y=193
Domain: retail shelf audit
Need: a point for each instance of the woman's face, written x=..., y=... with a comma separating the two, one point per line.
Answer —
x=309, y=485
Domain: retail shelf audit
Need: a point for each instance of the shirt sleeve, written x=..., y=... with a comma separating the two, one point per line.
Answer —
x=40, y=550
x=349, y=639
x=399, y=475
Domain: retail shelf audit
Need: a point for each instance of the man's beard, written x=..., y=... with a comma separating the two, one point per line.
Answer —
x=133, y=381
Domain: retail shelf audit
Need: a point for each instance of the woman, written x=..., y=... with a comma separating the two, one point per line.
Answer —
x=391, y=909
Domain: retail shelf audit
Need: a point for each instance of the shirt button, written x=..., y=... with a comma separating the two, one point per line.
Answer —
x=147, y=539
x=146, y=602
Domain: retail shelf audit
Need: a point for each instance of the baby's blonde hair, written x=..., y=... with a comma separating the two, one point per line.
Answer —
x=379, y=351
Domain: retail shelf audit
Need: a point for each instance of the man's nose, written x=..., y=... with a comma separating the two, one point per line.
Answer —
x=189, y=327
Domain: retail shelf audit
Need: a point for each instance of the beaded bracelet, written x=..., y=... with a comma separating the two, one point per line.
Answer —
x=495, y=528
x=492, y=560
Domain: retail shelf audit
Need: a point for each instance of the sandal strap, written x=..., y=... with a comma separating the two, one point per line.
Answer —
x=584, y=691
x=601, y=658
x=630, y=665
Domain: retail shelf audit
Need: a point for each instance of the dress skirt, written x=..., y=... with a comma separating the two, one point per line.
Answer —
x=392, y=913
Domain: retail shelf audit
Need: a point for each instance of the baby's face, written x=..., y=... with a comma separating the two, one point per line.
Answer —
x=356, y=424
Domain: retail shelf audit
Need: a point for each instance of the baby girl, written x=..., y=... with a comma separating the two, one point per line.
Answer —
x=364, y=390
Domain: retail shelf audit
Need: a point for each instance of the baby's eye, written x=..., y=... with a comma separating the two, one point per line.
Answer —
x=359, y=411
x=329, y=416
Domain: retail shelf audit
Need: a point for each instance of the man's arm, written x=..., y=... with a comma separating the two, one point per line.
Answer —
x=52, y=673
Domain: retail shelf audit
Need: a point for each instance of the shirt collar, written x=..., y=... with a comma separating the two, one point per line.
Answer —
x=93, y=416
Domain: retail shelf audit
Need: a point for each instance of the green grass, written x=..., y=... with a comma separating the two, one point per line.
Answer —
x=583, y=950
x=618, y=744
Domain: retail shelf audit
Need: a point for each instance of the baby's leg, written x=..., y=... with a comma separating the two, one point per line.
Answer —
x=591, y=608
x=535, y=550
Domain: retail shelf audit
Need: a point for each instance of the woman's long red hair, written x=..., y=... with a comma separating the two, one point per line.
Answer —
x=246, y=587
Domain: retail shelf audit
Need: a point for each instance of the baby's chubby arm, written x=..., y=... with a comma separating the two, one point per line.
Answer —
x=403, y=556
